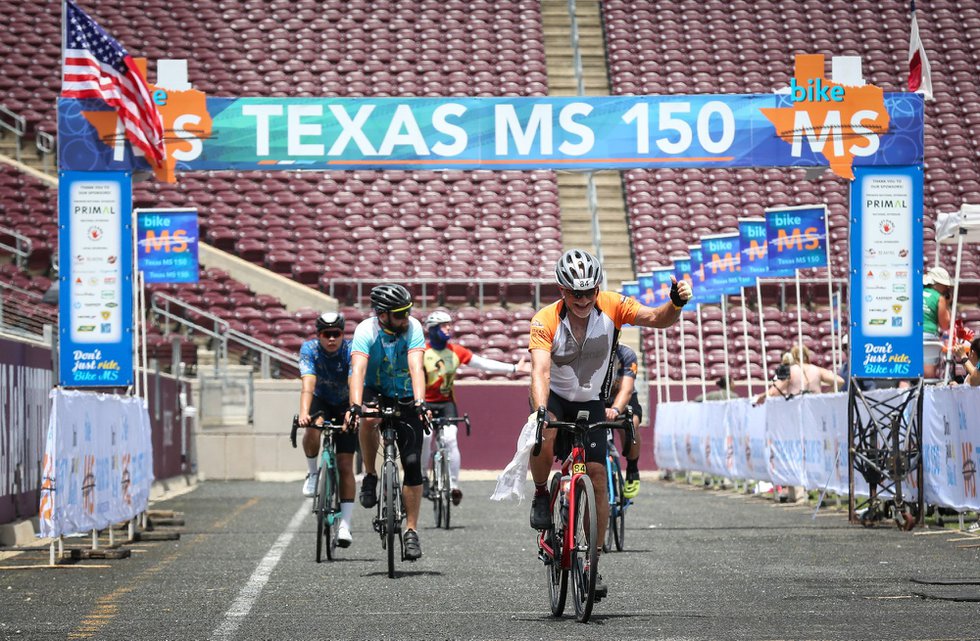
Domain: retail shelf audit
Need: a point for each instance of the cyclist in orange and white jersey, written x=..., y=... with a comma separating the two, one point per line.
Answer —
x=572, y=344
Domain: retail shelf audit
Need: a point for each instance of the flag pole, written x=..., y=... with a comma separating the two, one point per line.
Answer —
x=683, y=359
x=724, y=340
x=704, y=390
x=745, y=337
x=834, y=353
x=762, y=332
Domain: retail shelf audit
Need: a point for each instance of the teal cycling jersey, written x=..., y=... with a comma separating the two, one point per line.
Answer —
x=387, y=368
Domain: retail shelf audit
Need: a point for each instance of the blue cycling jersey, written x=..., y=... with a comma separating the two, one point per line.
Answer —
x=387, y=369
x=331, y=370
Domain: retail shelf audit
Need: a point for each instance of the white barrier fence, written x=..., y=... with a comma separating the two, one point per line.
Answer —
x=803, y=441
x=98, y=462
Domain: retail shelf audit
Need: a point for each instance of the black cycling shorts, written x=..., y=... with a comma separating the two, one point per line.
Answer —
x=344, y=442
x=408, y=437
x=595, y=442
x=635, y=404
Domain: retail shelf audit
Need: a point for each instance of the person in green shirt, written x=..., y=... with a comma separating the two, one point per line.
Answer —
x=938, y=289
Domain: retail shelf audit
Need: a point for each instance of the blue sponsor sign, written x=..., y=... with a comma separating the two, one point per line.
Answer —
x=682, y=269
x=645, y=286
x=167, y=241
x=596, y=132
x=662, y=284
x=886, y=273
x=720, y=262
x=95, y=297
x=797, y=237
x=630, y=289
x=703, y=293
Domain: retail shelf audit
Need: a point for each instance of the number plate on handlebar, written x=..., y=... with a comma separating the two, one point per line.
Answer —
x=578, y=468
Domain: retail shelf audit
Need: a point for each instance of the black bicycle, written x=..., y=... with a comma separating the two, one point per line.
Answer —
x=440, y=492
x=326, y=501
x=391, y=510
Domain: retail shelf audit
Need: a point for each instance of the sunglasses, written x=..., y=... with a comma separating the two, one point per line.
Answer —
x=399, y=315
x=579, y=294
x=336, y=333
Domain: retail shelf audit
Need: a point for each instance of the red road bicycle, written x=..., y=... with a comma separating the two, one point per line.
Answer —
x=570, y=547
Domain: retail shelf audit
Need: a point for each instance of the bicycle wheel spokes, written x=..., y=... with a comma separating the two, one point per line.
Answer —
x=320, y=512
x=618, y=525
x=445, y=493
x=557, y=575
x=390, y=513
x=585, y=552
x=434, y=495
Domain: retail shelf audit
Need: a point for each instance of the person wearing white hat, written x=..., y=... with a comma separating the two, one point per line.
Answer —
x=935, y=317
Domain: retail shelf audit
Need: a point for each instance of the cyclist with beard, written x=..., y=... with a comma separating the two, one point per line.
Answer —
x=572, y=345
x=386, y=362
x=442, y=360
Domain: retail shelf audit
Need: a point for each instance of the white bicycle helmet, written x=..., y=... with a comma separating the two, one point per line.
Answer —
x=578, y=270
x=438, y=317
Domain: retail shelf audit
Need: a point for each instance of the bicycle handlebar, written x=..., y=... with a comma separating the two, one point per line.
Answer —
x=444, y=420
x=395, y=412
x=581, y=425
x=313, y=417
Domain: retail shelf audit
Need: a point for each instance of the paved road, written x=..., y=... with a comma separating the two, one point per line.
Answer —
x=699, y=565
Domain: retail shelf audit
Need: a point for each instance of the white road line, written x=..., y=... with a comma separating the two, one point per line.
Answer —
x=250, y=592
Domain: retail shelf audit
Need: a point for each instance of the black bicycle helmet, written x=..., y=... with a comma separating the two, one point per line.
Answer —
x=327, y=320
x=578, y=270
x=390, y=298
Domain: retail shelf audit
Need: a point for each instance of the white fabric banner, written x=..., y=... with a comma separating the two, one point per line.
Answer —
x=98, y=462
x=803, y=441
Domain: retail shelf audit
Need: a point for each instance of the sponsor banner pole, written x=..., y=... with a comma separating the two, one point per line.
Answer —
x=745, y=337
x=762, y=334
x=952, y=310
x=704, y=390
x=799, y=319
x=834, y=346
x=683, y=360
x=656, y=360
x=666, y=362
x=137, y=386
x=724, y=339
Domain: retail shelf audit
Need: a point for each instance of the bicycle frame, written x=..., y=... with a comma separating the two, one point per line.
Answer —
x=571, y=469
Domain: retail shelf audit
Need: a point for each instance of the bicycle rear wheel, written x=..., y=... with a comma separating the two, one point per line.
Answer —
x=617, y=512
x=320, y=510
x=557, y=575
x=585, y=549
x=445, y=491
x=612, y=467
x=390, y=508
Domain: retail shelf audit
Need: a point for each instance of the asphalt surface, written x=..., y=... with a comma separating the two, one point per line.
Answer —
x=699, y=564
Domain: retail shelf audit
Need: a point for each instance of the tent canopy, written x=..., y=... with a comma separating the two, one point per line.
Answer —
x=966, y=221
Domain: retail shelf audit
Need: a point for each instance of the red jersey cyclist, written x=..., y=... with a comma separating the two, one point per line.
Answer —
x=442, y=360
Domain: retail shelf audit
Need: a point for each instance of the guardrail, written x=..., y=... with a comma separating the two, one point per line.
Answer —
x=45, y=144
x=428, y=290
x=21, y=313
x=16, y=124
x=22, y=247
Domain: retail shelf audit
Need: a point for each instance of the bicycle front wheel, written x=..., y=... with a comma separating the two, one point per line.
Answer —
x=445, y=493
x=585, y=549
x=390, y=510
x=557, y=575
x=320, y=510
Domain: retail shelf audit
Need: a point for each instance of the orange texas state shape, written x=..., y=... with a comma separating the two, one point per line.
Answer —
x=840, y=127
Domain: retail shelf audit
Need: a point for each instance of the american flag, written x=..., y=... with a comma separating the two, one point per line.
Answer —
x=95, y=65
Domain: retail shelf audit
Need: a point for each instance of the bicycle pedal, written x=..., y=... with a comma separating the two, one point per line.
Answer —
x=544, y=558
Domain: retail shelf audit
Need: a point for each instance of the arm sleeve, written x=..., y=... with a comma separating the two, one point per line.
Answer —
x=416, y=337
x=307, y=356
x=621, y=309
x=463, y=353
x=362, y=339
x=627, y=362
x=543, y=327
x=490, y=365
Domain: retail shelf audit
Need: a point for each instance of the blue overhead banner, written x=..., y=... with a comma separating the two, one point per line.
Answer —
x=167, y=240
x=886, y=273
x=865, y=127
x=95, y=297
x=797, y=237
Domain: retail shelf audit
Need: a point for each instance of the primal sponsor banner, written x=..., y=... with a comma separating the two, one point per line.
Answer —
x=95, y=310
x=797, y=238
x=803, y=441
x=886, y=273
x=98, y=462
x=167, y=245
